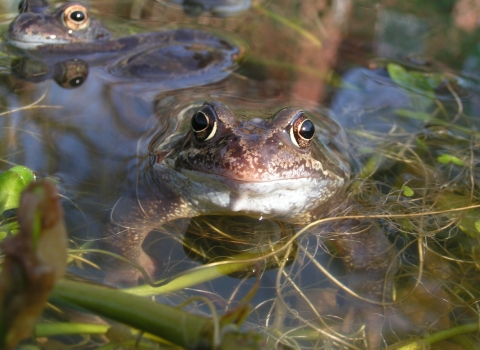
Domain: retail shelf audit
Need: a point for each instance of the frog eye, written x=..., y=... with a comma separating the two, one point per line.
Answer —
x=302, y=131
x=204, y=123
x=71, y=73
x=76, y=17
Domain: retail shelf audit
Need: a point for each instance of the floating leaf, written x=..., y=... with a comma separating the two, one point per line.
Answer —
x=407, y=191
x=448, y=158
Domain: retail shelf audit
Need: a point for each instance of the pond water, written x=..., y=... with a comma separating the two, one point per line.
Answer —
x=401, y=79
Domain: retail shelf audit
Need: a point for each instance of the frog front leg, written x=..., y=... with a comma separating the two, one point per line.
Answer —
x=371, y=264
x=130, y=221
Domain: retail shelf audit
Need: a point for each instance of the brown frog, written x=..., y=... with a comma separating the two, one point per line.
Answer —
x=260, y=164
x=38, y=24
x=185, y=56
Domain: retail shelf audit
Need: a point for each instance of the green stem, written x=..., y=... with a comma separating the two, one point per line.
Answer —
x=62, y=328
x=448, y=333
x=241, y=262
x=441, y=335
x=166, y=322
x=189, y=279
x=467, y=342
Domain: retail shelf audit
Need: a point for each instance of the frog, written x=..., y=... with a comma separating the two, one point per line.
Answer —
x=37, y=25
x=69, y=32
x=262, y=164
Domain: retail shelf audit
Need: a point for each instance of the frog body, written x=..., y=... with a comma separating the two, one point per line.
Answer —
x=262, y=165
x=184, y=55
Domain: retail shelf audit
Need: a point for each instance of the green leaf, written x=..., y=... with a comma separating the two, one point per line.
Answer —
x=477, y=225
x=8, y=228
x=417, y=82
x=407, y=191
x=25, y=174
x=448, y=158
x=398, y=74
x=12, y=183
x=371, y=165
x=11, y=187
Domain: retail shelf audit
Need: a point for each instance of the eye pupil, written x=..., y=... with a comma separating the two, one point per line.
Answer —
x=307, y=130
x=76, y=81
x=77, y=16
x=301, y=131
x=199, y=121
x=204, y=123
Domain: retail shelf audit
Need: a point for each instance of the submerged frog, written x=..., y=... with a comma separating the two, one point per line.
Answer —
x=38, y=25
x=69, y=32
x=259, y=164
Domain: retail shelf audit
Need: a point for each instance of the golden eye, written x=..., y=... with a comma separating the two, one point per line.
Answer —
x=302, y=131
x=204, y=123
x=76, y=17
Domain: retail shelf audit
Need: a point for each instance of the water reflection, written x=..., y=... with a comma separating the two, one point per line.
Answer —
x=68, y=74
x=146, y=68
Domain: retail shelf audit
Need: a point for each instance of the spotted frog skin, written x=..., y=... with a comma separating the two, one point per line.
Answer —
x=260, y=164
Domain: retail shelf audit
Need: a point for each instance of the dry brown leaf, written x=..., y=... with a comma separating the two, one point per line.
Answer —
x=35, y=259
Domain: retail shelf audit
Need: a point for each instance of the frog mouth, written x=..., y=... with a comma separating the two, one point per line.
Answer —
x=283, y=198
x=280, y=198
x=32, y=42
